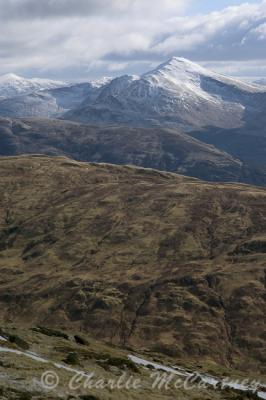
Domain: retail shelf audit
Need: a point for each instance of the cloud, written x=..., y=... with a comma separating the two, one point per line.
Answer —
x=231, y=34
x=82, y=38
x=259, y=32
x=43, y=9
x=46, y=9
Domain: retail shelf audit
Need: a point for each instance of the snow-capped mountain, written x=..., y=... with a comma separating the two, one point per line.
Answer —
x=51, y=102
x=13, y=85
x=179, y=93
x=181, y=74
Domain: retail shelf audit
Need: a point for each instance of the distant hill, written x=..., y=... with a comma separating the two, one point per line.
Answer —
x=159, y=148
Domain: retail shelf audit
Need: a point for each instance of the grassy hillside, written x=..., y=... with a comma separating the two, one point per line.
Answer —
x=135, y=257
x=78, y=366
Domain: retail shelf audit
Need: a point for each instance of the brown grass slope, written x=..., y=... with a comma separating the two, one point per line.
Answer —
x=136, y=257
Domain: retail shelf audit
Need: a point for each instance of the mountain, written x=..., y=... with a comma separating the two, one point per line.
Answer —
x=143, y=259
x=159, y=148
x=50, y=102
x=12, y=85
x=31, y=105
x=178, y=94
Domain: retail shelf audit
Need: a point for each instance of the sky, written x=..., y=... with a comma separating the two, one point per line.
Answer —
x=88, y=39
x=208, y=5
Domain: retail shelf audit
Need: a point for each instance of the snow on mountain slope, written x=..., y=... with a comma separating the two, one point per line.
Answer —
x=34, y=104
x=181, y=74
x=98, y=83
x=12, y=85
x=21, y=97
x=178, y=93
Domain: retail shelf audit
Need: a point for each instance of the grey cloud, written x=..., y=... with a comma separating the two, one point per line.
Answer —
x=47, y=9
x=30, y=9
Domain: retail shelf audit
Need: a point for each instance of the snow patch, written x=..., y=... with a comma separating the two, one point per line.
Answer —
x=213, y=381
x=145, y=363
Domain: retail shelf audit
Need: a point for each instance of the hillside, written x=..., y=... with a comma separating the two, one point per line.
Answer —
x=247, y=143
x=160, y=148
x=135, y=257
x=41, y=363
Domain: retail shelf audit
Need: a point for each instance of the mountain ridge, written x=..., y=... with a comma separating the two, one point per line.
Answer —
x=158, y=148
x=12, y=85
x=178, y=94
x=185, y=66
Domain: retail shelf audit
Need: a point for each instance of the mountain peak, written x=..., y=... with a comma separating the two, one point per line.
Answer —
x=184, y=73
x=180, y=64
x=183, y=60
x=178, y=73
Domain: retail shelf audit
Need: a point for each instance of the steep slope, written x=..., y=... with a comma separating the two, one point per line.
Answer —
x=136, y=257
x=163, y=149
x=178, y=93
x=12, y=85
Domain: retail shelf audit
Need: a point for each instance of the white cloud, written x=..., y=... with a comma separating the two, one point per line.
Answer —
x=260, y=32
x=82, y=37
x=222, y=30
